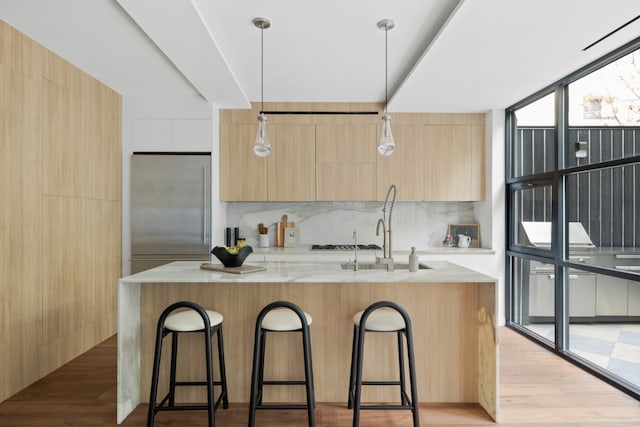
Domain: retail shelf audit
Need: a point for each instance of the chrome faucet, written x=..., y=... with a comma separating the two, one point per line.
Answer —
x=384, y=236
x=387, y=257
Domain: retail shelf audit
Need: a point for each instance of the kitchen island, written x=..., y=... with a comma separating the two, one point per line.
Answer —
x=452, y=309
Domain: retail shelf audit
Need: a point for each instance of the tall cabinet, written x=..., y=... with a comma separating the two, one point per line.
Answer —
x=60, y=212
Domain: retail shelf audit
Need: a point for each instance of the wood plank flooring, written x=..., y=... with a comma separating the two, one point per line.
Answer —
x=537, y=389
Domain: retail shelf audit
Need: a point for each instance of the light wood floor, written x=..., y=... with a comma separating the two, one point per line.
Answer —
x=536, y=388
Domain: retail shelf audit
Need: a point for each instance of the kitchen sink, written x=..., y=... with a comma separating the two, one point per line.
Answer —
x=374, y=266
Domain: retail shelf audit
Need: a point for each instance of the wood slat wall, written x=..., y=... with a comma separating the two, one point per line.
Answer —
x=60, y=210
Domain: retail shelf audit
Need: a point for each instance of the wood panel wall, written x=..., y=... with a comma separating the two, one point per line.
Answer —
x=60, y=211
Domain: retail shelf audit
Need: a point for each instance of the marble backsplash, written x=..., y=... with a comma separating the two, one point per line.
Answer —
x=419, y=224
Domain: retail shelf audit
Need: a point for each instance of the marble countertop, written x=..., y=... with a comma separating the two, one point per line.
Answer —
x=306, y=272
x=436, y=250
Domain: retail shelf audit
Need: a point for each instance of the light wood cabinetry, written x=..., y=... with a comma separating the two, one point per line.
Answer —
x=287, y=174
x=345, y=162
x=60, y=211
x=243, y=175
x=438, y=157
x=406, y=166
x=291, y=166
x=454, y=162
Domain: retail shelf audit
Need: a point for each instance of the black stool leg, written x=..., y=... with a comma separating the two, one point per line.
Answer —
x=352, y=377
x=223, y=371
x=172, y=374
x=308, y=374
x=263, y=346
x=255, y=372
x=358, y=380
x=154, y=378
x=209, y=362
x=403, y=399
x=412, y=373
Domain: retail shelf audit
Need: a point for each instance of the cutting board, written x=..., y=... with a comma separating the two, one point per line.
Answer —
x=235, y=270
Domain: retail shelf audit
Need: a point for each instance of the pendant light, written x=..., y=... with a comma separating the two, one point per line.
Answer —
x=386, y=145
x=262, y=146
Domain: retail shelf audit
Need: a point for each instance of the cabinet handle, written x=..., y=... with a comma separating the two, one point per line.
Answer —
x=571, y=276
x=627, y=256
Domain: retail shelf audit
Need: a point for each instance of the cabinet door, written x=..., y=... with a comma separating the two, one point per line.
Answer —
x=633, y=305
x=454, y=160
x=346, y=162
x=292, y=163
x=243, y=175
x=406, y=166
x=611, y=296
x=582, y=295
x=541, y=295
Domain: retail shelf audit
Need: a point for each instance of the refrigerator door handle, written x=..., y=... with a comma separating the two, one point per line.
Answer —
x=204, y=205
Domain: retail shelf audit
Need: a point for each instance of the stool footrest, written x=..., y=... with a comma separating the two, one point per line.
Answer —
x=382, y=407
x=381, y=383
x=196, y=383
x=282, y=406
x=283, y=382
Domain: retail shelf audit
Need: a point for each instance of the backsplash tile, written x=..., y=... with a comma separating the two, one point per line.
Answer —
x=419, y=224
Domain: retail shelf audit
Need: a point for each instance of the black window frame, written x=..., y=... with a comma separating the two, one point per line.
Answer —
x=558, y=254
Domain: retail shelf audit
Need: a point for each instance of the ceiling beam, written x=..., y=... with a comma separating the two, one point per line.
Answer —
x=177, y=28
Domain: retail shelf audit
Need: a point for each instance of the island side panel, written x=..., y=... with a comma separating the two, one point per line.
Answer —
x=128, y=349
x=444, y=318
x=488, y=349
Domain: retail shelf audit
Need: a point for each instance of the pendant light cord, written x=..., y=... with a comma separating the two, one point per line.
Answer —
x=386, y=96
x=261, y=69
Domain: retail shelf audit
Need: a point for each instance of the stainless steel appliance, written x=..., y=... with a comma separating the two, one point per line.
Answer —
x=170, y=209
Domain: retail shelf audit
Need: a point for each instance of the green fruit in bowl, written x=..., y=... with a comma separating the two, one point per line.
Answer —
x=232, y=250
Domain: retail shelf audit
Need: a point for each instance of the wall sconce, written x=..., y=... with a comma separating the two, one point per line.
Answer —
x=581, y=149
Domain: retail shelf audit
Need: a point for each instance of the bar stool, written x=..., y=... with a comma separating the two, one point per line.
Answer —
x=194, y=319
x=382, y=316
x=281, y=316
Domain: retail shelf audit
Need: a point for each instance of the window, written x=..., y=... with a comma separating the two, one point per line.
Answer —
x=574, y=217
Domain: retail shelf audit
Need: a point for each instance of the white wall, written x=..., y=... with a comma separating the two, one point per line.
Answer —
x=491, y=212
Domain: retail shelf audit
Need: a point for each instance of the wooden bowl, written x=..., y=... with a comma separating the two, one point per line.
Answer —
x=230, y=260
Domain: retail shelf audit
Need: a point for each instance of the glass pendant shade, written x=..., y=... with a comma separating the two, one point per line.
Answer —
x=262, y=146
x=386, y=145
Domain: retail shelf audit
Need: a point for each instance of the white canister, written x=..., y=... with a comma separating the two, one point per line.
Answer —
x=264, y=241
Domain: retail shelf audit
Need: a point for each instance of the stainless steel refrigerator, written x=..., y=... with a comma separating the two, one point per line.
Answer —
x=170, y=209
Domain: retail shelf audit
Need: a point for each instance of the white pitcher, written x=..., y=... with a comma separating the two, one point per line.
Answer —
x=463, y=241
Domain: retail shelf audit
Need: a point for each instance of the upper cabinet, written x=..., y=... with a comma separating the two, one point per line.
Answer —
x=333, y=157
x=405, y=167
x=287, y=174
x=345, y=162
x=454, y=165
x=243, y=175
x=291, y=165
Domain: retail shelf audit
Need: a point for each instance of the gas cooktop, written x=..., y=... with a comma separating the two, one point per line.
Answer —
x=345, y=247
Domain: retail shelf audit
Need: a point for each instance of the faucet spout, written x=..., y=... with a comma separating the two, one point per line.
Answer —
x=384, y=234
x=384, y=211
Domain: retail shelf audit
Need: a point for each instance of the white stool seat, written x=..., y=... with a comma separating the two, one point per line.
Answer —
x=189, y=320
x=283, y=319
x=382, y=320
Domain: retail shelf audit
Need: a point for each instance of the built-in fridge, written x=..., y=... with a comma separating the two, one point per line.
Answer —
x=170, y=209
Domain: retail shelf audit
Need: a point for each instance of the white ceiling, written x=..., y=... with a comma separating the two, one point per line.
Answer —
x=444, y=55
